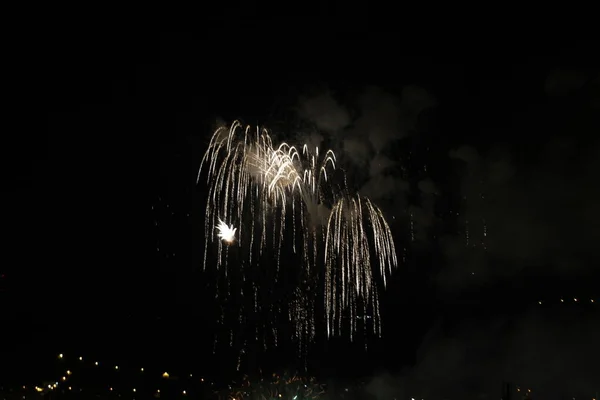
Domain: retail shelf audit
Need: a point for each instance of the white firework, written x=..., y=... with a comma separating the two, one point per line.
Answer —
x=226, y=232
x=253, y=181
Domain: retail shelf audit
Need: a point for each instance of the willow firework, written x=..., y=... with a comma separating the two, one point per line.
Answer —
x=262, y=195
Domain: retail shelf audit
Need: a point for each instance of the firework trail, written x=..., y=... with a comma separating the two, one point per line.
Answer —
x=262, y=195
x=348, y=269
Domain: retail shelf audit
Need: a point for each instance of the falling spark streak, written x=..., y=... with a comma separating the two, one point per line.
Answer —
x=249, y=177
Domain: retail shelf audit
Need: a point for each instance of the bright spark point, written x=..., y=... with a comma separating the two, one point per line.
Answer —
x=226, y=233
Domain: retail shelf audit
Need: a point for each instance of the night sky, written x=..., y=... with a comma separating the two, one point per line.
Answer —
x=484, y=162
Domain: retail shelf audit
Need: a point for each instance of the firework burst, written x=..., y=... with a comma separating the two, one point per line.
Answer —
x=226, y=232
x=276, y=387
x=276, y=194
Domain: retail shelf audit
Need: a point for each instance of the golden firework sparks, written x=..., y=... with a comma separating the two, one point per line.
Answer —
x=251, y=179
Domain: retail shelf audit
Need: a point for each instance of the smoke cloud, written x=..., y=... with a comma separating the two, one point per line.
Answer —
x=514, y=213
x=364, y=131
x=540, y=215
x=564, y=81
x=537, y=214
x=325, y=112
x=550, y=350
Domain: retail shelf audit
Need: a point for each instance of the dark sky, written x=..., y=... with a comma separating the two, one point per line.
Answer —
x=128, y=116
